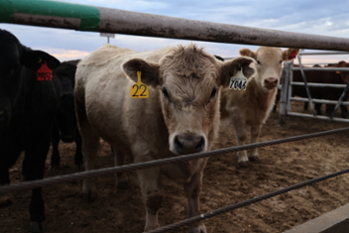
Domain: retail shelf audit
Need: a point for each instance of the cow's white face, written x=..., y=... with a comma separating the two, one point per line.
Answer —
x=190, y=81
x=269, y=64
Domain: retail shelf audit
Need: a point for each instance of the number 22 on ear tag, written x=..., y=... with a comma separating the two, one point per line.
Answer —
x=139, y=89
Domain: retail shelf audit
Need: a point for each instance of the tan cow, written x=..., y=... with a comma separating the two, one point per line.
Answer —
x=249, y=109
x=181, y=115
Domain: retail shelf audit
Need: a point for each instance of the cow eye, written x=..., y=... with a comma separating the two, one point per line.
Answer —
x=213, y=94
x=164, y=91
x=259, y=62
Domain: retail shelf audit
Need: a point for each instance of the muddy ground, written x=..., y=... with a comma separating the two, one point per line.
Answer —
x=224, y=184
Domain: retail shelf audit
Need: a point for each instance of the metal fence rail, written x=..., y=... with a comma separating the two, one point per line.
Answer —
x=90, y=18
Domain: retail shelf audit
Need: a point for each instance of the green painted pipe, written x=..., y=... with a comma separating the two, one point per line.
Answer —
x=50, y=13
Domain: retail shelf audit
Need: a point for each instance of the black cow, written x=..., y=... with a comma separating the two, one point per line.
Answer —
x=27, y=111
x=66, y=128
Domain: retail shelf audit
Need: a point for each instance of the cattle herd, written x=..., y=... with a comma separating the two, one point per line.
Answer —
x=181, y=94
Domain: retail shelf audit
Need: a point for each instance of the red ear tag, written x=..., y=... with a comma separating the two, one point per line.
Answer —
x=292, y=56
x=44, y=73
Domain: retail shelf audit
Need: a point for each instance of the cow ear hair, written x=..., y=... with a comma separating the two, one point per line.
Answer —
x=230, y=68
x=33, y=59
x=289, y=54
x=149, y=71
x=248, y=53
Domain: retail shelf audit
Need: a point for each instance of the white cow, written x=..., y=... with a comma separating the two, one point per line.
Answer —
x=249, y=109
x=181, y=115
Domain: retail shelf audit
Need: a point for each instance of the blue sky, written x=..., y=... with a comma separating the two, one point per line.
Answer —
x=328, y=18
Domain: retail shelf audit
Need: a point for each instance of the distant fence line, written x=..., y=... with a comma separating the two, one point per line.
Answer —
x=91, y=18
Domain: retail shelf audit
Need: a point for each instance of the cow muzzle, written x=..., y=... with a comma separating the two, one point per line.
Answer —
x=188, y=143
x=271, y=83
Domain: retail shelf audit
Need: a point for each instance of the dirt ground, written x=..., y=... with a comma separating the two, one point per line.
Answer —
x=223, y=184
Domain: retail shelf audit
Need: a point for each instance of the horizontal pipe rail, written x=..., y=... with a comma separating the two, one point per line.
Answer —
x=90, y=18
x=319, y=85
x=322, y=53
x=317, y=117
x=321, y=69
x=319, y=101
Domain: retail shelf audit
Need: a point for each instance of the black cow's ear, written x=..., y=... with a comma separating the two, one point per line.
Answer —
x=33, y=59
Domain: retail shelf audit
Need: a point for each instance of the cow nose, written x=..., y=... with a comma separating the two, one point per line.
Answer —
x=186, y=144
x=270, y=82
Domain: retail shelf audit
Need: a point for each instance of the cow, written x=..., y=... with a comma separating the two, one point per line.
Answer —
x=180, y=116
x=66, y=128
x=27, y=110
x=249, y=109
x=330, y=77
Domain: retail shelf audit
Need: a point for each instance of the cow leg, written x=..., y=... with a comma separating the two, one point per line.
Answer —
x=241, y=136
x=121, y=178
x=55, y=158
x=90, y=147
x=344, y=111
x=253, y=153
x=192, y=189
x=78, y=158
x=34, y=169
x=152, y=194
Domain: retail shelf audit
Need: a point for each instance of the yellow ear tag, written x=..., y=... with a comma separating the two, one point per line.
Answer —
x=139, y=89
x=239, y=81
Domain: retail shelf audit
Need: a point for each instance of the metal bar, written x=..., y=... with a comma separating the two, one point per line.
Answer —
x=339, y=101
x=284, y=93
x=306, y=86
x=319, y=85
x=319, y=101
x=133, y=23
x=322, y=53
x=321, y=69
x=317, y=117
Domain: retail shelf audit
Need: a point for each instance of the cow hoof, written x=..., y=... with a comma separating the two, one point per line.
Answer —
x=36, y=227
x=254, y=158
x=122, y=185
x=199, y=229
x=79, y=167
x=243, y=164
x=89, y=195
x=53, y=167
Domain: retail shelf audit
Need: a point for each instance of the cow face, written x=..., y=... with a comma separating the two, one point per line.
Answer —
x=189, y=81
x=14, y=60
x=269, y=64
x=344, y=74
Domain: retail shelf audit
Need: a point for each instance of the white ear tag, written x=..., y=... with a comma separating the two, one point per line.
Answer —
x=239, y=81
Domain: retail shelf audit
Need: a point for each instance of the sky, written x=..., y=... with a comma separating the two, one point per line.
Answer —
x=318, y=17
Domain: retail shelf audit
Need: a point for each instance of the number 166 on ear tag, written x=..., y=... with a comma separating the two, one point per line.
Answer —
x=139, y=89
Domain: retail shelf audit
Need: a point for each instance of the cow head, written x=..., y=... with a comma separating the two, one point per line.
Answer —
x=14, y=59
x=269, y=64
x=189, y=81
x=344, y=74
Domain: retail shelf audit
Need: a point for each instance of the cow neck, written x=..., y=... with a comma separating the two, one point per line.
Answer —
x=257, y=94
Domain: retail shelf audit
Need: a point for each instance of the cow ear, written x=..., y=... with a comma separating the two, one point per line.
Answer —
x=149, y=71
x=289, y=54
x=33, y=59
x=248, y=53
x=230, y=68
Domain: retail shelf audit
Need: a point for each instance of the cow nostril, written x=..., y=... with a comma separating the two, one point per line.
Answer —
x=178, y=144
x=201, y=145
